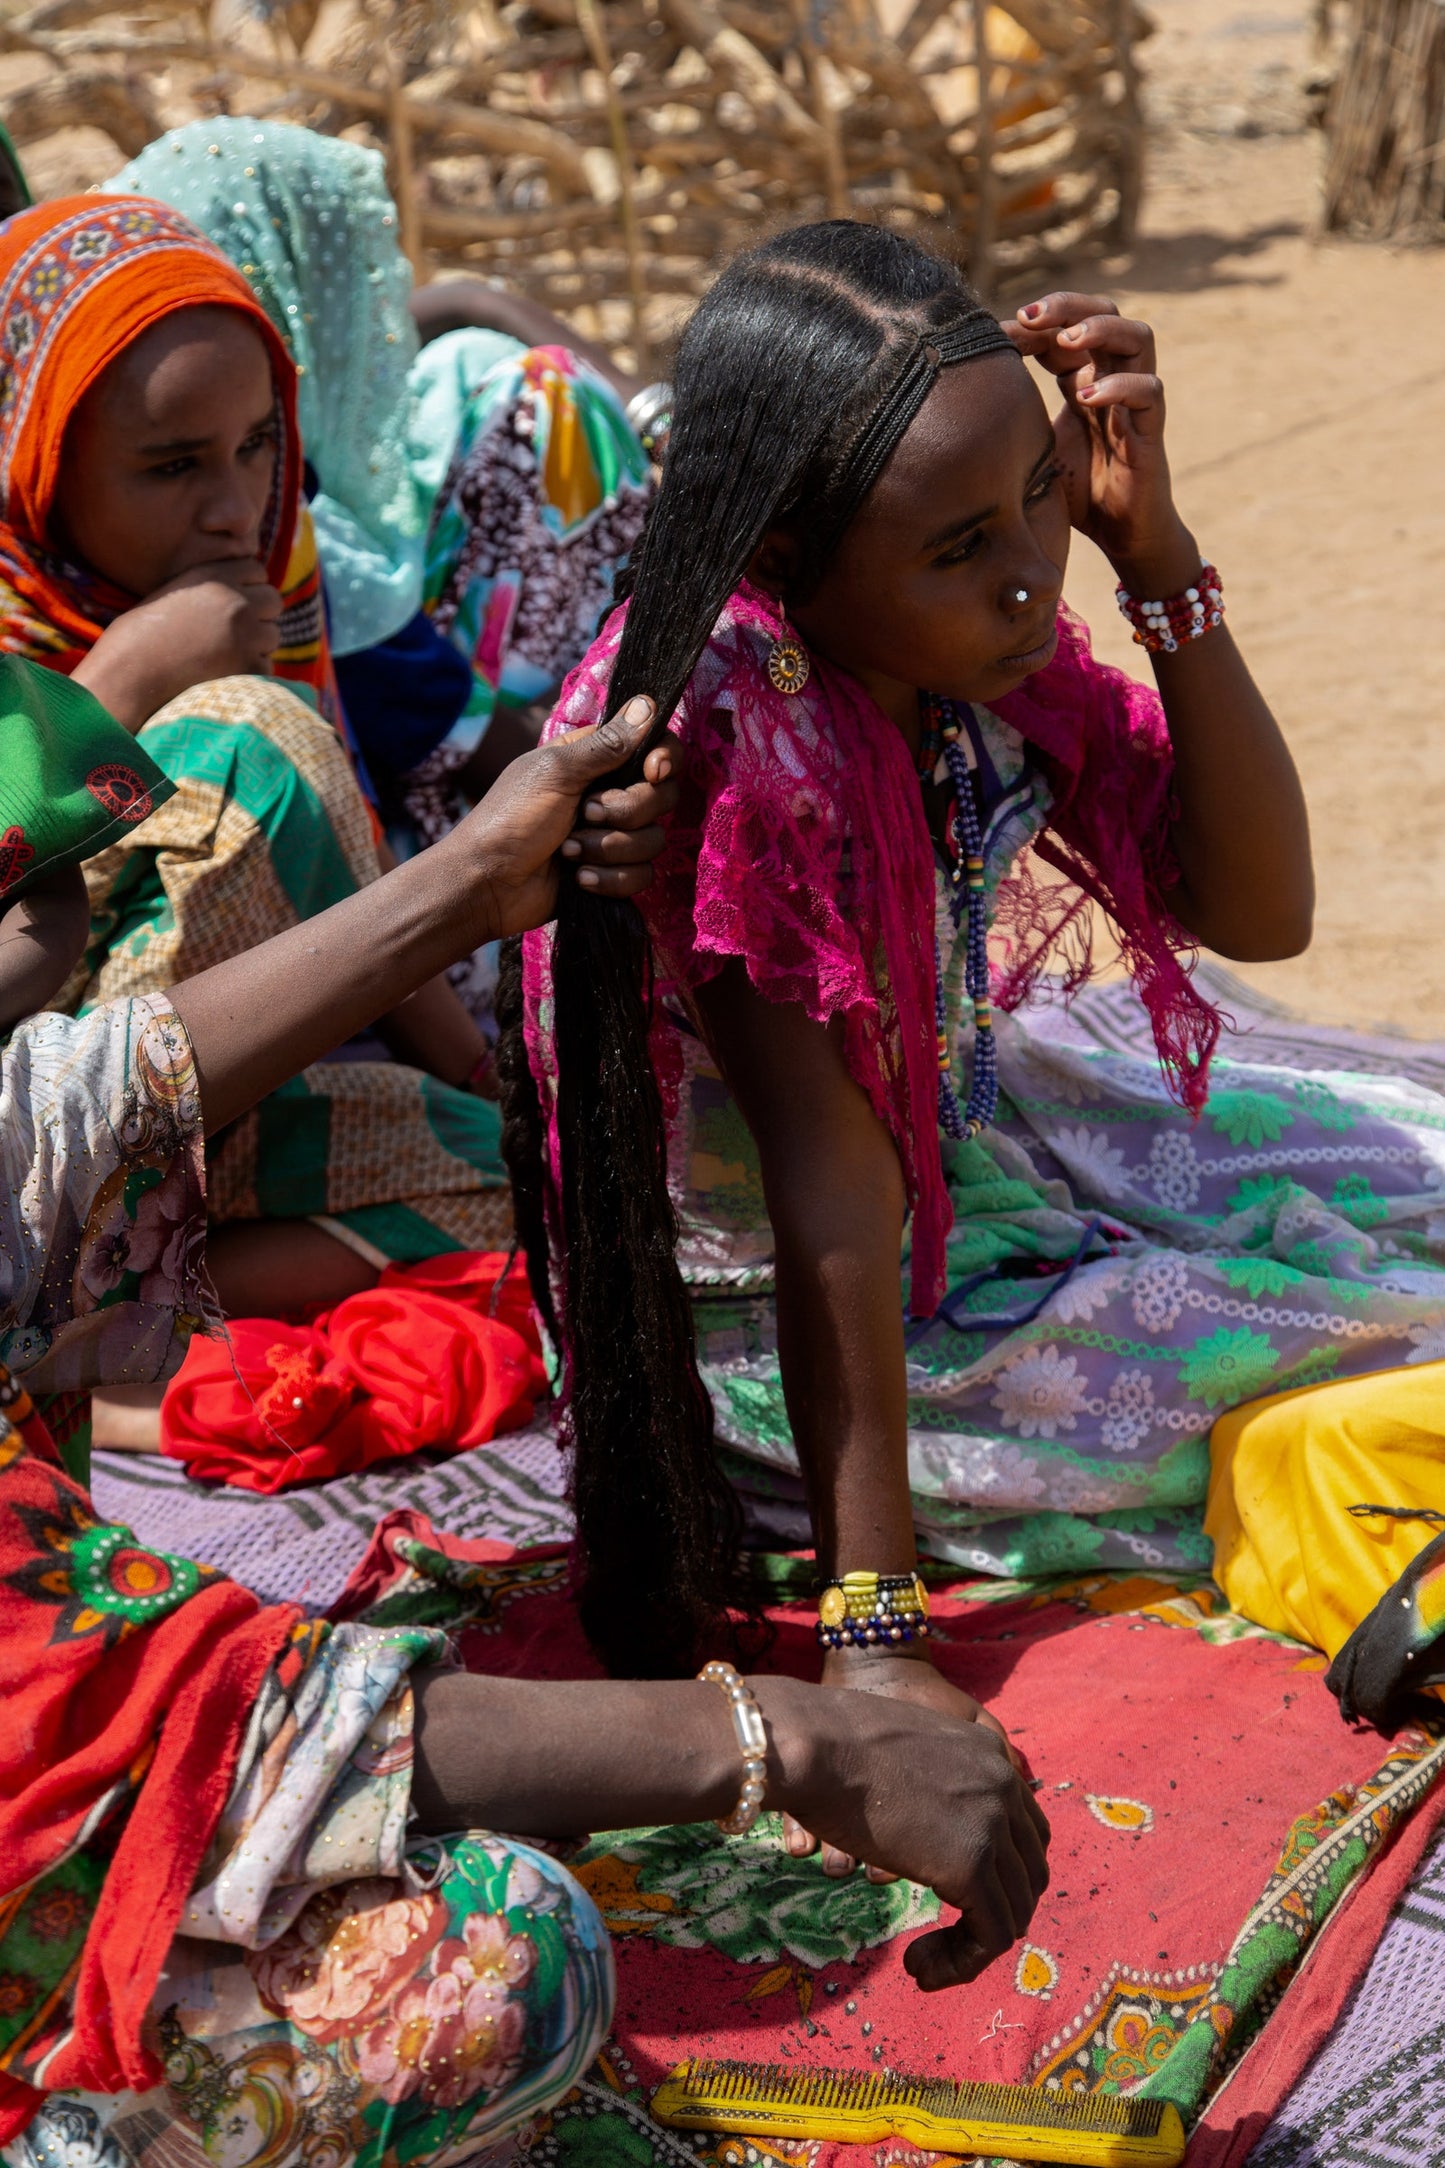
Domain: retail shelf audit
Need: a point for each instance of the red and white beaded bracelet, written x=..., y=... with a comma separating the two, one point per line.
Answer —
x=1167, y=625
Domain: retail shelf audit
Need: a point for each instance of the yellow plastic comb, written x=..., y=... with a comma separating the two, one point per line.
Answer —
x=1022, y=2122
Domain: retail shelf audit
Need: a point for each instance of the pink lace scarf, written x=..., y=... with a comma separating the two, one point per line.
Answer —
x=800, y=848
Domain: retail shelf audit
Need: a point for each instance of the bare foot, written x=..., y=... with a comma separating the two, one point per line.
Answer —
x=126, y=1419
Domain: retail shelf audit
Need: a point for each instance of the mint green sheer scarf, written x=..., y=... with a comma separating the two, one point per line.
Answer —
x=308, y=219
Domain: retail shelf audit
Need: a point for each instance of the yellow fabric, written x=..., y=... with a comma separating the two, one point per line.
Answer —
x=1285, y=1471
x=569, y=476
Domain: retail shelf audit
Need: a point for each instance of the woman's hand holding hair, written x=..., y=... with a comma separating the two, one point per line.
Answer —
x=1241, y=836
x=529, y=819
x=217, y=620
x=258, y=1018
x=928, y=1797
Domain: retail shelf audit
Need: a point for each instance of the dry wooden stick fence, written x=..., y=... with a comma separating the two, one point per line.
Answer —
x=1385, y=126
x=603, y=155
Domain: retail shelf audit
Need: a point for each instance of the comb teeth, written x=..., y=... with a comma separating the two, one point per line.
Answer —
x=736, y=2085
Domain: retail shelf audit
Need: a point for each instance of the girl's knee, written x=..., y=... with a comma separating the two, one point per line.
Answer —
x=514, y=1996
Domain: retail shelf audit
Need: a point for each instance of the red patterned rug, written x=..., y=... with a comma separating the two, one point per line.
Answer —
x=1210, y=1812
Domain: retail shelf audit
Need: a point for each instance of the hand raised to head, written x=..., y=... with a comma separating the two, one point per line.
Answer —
x=1110, y=429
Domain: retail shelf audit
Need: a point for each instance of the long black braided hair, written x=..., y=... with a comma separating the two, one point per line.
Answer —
x=795, y=379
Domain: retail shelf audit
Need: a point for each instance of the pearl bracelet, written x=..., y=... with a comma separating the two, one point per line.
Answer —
x=752, y=1741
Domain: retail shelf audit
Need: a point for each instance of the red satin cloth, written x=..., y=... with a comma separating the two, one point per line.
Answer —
x=435, y=1356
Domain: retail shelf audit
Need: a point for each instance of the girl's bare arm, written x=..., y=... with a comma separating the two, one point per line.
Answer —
x=835, y=1197
x=1241, y=836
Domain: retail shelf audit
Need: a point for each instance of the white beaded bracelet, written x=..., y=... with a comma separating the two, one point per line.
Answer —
x=752, y=1741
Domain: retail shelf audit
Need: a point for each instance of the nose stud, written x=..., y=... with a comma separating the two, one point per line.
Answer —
x=1020, y=594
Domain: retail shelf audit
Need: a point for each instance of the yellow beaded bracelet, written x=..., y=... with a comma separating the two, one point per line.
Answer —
x=872, y=1610
x=860, y=1595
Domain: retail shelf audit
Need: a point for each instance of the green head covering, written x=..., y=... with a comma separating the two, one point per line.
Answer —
x=71, y=780
x=14, y=188
x=308, y=220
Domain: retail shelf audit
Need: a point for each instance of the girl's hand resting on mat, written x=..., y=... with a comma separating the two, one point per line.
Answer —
x=1110, y=436
x=528, y=826
x=217, y=620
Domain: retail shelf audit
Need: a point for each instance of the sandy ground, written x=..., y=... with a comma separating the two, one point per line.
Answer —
x=1307, y=418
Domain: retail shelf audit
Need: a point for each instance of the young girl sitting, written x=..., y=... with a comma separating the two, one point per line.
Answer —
x=849, y=603
x=472, y=501
x=153, y=546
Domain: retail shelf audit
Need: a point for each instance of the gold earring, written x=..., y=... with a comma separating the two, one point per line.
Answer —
x=789, y=663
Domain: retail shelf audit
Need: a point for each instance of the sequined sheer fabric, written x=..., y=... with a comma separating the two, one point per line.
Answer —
x=800, y=849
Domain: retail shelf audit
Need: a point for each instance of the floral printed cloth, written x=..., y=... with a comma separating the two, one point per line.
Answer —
x=382, y=2001
x=102, y=1197
x=395, y=2024
x=1060, y=1410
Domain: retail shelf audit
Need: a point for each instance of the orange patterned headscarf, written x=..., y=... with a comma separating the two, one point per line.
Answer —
x=80, y=280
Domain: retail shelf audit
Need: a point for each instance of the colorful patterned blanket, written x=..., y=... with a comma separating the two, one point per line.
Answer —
x=1375, y=2092
x=1103, y=1726
x=1210, y=1814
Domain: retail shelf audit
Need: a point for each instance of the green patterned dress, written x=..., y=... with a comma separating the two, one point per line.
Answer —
x=1119, y=1274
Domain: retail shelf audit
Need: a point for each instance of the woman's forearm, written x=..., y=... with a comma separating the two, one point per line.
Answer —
x=1241, y=837
x=910, y=1788
x=433, y=1029
x=570, y=1756
x=838, y=1233
x=259, y=1017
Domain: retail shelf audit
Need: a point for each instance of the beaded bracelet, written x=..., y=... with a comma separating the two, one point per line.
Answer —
x=872, y=1610
x=752, y=1741
x=1167, y=625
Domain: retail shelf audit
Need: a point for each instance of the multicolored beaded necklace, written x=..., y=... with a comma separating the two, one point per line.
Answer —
x=941, y=733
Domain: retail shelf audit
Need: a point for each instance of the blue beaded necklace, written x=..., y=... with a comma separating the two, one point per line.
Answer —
x=942, y=729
